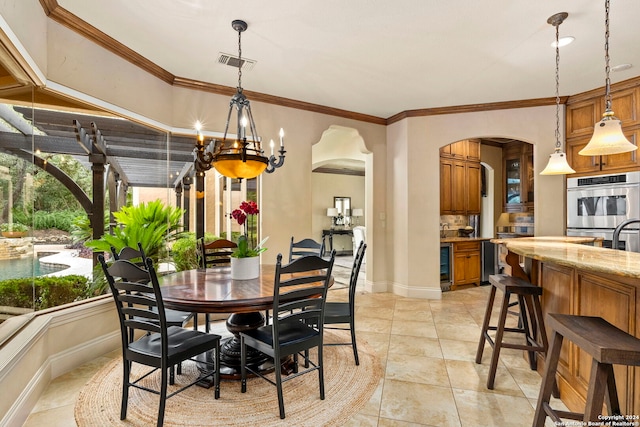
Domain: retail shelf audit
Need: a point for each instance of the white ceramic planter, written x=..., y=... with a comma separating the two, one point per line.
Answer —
x=245, y=268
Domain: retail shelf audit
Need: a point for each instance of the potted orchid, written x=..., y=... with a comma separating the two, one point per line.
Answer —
x=245, y=260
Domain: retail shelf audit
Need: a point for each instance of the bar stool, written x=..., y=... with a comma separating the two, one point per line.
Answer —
x=530, y=320
x=606, y=344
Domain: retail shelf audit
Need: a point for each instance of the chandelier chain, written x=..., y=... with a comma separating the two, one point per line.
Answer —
x=607, y=69
x=240, y=58
x=558, y=87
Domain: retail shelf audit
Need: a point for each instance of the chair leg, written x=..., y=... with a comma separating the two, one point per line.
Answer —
x=163, y=397
x=243, y=367
x=613, y=405
x=320, y=372
x=353, y=341
x=497, y=343
x=485, y=324
x=216, y=375
x=549, y=380
x=595, y=394
x=279, y=387
x=126, y=367
x=172, y=375
x=206, y=322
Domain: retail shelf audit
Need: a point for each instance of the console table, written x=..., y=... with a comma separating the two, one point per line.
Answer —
x=330, y=233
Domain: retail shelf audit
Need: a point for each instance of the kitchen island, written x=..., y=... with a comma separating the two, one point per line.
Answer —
x=586, y=280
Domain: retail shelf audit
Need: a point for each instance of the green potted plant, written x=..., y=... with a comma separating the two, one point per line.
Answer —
x=245, y=260
x=13, y=230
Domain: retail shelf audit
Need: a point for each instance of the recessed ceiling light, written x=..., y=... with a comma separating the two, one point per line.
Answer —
x=621, y=67
x=563, y=41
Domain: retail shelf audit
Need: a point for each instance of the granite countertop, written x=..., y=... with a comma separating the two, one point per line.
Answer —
x=463, y=239
x=569, y=252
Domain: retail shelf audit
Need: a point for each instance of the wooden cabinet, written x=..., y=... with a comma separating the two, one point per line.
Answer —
x=581, y=117
x=466, y=263
x=518, y=175
x=569, y=290
x=460, y=178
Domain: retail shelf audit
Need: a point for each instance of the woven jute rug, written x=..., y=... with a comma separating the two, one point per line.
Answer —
x=347, y=389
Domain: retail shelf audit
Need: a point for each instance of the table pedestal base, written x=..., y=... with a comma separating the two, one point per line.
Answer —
x=230, y=349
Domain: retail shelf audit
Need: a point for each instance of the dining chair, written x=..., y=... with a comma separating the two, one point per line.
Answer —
x=344, y=312
x=161, y=346
x=139, y=258
x=299, y=295
x=211, y=255
x=305, y=247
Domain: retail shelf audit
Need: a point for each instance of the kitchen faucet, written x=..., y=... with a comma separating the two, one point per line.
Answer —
x=616, y=232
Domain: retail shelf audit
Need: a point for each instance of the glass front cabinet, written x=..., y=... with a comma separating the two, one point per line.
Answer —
x=518, y=177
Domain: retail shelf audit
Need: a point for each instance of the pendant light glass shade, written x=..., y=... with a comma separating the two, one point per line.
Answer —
x=607, y=133
x=607, y=138
x=557, y=165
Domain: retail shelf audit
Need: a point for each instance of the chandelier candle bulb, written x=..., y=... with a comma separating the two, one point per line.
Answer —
x=281, y=138
x=271, y=144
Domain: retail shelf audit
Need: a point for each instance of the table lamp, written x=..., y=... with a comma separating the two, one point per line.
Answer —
x=333, y=213
x=357, y=213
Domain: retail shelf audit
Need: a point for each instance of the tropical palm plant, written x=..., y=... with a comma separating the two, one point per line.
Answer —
x=151, y=224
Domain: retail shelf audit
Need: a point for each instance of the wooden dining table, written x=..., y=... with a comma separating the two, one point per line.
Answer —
x=212, y=290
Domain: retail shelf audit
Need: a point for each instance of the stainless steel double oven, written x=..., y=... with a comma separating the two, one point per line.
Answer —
x=597, y=204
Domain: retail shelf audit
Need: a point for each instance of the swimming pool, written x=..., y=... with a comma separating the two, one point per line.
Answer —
x=27, y=267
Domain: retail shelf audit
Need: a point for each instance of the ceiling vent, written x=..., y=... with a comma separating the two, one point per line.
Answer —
x=233, y=61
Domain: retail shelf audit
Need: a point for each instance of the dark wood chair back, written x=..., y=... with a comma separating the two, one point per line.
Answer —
x=216, y=253
x=305, y=247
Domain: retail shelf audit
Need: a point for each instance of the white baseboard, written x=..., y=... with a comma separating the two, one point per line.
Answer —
x=417, y=292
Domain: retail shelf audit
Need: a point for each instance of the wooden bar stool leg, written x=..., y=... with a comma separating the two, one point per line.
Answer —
x=613, y=405
x=595, y=393
x=527, y=325
x=498, y=341
x=485, y=324
x=549, y=380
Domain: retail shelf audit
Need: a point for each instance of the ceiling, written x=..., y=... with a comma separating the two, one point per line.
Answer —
x=378, y=57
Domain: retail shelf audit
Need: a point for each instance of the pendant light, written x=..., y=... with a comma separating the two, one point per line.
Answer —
x=607, y=134
x=558, y=159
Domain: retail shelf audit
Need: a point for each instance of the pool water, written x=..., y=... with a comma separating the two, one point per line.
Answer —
x=26, y=267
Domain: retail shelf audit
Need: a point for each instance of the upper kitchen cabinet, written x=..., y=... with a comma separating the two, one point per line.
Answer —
x=518, y=177
x=460, y=178
x=581, y=117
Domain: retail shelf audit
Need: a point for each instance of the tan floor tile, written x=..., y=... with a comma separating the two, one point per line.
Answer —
x=414, y=329
x=472, y=376
x=463, y=350
x=413, y=304
x=455, y=318
x=529, y=381
x=458, y=332
x=377, y=341
x=385, y=422
x=420, y=315
x=424, y=370
x=57, y=417
x=361, y=420
x=478, y=409
x=419, y=403
x=409, y=346
x=372, y=407
x=377, y=312
x=373, y=324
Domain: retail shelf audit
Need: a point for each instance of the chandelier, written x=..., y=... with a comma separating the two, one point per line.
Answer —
x=241, y=157
x=558, y=159
x=607, y=133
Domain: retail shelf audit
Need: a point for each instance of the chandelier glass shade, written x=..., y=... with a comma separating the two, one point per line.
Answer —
x=607, y=133
x=241, y=157
x=558, y=164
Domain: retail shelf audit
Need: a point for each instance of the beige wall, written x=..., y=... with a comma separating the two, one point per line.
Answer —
x=402, y=180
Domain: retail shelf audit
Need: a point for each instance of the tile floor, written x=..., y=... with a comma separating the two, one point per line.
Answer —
x=428, y=348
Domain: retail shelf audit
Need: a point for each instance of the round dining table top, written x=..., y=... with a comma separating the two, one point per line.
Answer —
x=212, y=290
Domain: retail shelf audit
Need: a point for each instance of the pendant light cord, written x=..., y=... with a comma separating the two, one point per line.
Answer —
x=558, y=88
x=607, y=95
